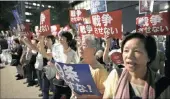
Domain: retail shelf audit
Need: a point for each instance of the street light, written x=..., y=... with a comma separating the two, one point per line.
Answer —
x=28, y=13
x=26, y=2
x=34, y=4
x=166, y=6
x=27, y=20
x=26, y=7
x=49, y=6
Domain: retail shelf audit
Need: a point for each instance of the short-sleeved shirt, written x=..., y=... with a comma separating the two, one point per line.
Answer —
x=99, y=74
x=112, y=82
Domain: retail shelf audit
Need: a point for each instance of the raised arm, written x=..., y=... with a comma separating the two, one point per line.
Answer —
x=106, y=58
x=29, y=44
x=42, y=49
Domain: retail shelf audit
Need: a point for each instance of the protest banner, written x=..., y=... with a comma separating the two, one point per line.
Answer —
x=77, y=16
x=24, y=29
x=55, y=29
x=78, y=77
x=98, y=6
x=45, y=23
x=145, y=6
x=85, y=29
x=154, y=24
x=107, y=24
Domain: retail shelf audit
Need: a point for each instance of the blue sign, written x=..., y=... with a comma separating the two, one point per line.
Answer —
x=98, y=6
x=78, y=77
x=17, y=16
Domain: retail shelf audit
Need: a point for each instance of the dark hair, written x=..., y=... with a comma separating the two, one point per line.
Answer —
x=52, y=38
x=71, y=42
x=16, y=40
x=149, y=43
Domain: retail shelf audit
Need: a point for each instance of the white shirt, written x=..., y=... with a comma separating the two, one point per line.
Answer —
x=57, y=52
x=71, y=57
x=39, y=62
x=59, y=56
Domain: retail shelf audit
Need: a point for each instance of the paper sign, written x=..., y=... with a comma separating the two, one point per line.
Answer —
x=78, y=77
x=85, y=29
x=25, y=28
x=45, y=23
x=55, y=29
x=98, y=6
x=145, y=6
x=21, y=26
x=107, y=24
x=77, y=16
x=154, y=24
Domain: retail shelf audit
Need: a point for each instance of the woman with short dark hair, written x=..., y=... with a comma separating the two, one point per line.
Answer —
x=136, y=80
x=69, y=56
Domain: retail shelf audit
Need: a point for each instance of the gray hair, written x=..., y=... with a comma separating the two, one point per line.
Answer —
x=91, y=39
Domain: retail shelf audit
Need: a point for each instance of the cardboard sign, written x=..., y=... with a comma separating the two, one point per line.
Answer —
x=25, y=29
x=45, y=23
x=77, y=15
x=55, y=29
x=154, y=24
x=85, y=29
x=78, y=77
x=107, y=24
x=98, y=6
x=21, y=26
x=145, y=6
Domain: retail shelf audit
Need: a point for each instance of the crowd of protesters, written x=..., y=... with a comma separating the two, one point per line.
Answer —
x=137, y=77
